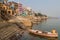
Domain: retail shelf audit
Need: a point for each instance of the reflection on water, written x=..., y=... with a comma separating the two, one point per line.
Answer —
x=52, y=38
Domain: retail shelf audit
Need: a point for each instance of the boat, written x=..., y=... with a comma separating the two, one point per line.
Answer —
x=44, y=33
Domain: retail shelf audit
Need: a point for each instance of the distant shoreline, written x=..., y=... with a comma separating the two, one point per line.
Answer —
x=53, y=18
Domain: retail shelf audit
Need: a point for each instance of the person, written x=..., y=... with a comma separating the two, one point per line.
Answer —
x=54, y=31
x=36, y=31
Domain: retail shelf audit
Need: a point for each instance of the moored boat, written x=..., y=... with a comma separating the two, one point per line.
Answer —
x=52, y=34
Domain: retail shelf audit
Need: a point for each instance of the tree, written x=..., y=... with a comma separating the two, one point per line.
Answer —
x=36, y=14
x=39, y=14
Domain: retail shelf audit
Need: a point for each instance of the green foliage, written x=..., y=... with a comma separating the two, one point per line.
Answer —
x=38, y=14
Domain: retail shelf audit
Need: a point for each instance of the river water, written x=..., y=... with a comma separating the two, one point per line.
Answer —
x=46, y=25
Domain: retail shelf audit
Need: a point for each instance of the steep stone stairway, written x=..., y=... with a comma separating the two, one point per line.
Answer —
x=7, y=32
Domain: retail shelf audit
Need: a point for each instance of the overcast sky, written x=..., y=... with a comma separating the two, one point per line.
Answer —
x=48, y=7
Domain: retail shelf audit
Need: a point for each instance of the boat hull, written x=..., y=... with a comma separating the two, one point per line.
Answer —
x=44, y=34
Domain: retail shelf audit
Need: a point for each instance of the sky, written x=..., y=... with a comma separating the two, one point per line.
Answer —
x=48, y=7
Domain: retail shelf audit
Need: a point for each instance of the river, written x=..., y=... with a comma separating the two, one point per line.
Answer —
x=46, y=25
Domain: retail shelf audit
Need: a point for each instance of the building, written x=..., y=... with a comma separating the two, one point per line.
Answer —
x=27, y=11
x=13, y=5
x=20, y=7
x=3, y=1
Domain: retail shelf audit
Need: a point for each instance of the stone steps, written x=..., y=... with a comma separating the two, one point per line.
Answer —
x=7, y=32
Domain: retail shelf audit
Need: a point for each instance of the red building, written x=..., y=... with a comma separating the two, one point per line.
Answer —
x=20, y=7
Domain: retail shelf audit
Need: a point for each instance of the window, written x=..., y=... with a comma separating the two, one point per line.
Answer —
x=0, y=7
x=3, y=7
x=8, y=11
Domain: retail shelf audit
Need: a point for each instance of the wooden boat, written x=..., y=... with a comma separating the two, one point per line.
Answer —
x=44, y=33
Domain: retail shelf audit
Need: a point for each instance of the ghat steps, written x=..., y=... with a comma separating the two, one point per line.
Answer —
x=8, y=31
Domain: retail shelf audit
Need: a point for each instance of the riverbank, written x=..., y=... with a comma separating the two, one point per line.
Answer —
x=13, y=26
x=44, y=26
